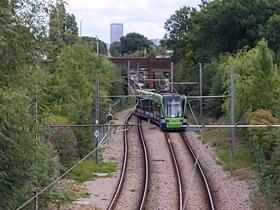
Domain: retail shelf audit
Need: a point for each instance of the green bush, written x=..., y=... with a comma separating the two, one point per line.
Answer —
x=262, y=141
x=24, y=160
x=265, y=144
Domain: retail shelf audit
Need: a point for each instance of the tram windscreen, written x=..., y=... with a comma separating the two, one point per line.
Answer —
x=173, y=106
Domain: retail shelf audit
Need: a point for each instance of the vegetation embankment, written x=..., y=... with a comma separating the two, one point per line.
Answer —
x=242, y=35
x=47, y=77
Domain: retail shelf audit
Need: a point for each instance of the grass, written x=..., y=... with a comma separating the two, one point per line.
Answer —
x=60, y=197
x=88, y=170
x=241, y=166
x=217, y=138
x=67, y=193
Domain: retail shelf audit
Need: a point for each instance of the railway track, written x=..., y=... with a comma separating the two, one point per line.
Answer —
x=177, y=172
x=143, y=178
x=178, y=144
x=146, y=184
x=211, y=204
x=145, y=181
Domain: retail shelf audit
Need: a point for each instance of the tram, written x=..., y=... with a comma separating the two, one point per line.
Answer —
x=167, y=110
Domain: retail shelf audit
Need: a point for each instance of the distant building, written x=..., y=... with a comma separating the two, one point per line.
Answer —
x=116, y=32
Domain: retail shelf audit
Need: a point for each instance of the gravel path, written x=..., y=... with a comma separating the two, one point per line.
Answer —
x=131, y=192
x=229, y=194
x=162, y=192
x=196, y=197
x=102, y=189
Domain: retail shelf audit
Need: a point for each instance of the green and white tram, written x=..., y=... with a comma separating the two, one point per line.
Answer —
x=168, y=110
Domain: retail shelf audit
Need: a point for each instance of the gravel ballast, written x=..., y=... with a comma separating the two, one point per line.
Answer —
x=193, y=188
x=162, y=191
x=229, y=193
x=131, y=192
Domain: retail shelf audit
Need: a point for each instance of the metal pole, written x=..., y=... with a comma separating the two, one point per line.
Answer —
x=137, y=72
x=200, y=90
x=97, y=117
x=172, y=77
x=34, y=133
x=97, y=45
x=232, y=104
x=36, y=137
x=81, y=27
x=128, y=79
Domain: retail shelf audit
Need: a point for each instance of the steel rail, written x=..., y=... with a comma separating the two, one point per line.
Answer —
x=124, y=165
x=145, y=189
x=211, y=203
x=177, y=171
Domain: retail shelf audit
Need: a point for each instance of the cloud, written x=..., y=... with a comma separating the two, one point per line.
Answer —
x=146, y=17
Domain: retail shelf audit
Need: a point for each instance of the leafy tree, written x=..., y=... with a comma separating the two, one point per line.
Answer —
x=20, y=38
x=214, y=74
x=23, y=159
x=91, y=42
x=177, y=26
x=218, y=27
x=271, y=32
x=257, y=80
x=62, y=28
x=72, y=88
x=115, y=49
x=133, y=42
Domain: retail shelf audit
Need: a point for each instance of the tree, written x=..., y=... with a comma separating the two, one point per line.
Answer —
x=133, y=42
x=115, y=49
x=257, y=80
x=23, y=159
x=218, y=27
x=20, y=38
x=177, y=26
x=271, y=32
x=72, y=86
x=91, y=43
x=63, y=28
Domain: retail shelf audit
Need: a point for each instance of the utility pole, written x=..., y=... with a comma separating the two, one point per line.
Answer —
x=97, y=45
x=36, y=138
x=232, y=104
x=96, y=133
x=35, y=121
x=172, y=77
x=128, y=79
x=200, y=90
x=81, y=21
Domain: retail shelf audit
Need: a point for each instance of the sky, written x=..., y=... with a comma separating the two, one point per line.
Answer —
x=146, y=17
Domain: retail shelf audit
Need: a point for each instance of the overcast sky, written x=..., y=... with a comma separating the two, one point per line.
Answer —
x=146, y=17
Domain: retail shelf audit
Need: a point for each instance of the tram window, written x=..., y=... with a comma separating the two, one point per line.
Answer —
x=173, y=106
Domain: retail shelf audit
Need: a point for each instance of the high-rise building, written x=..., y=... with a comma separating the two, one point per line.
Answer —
x=116, y=32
